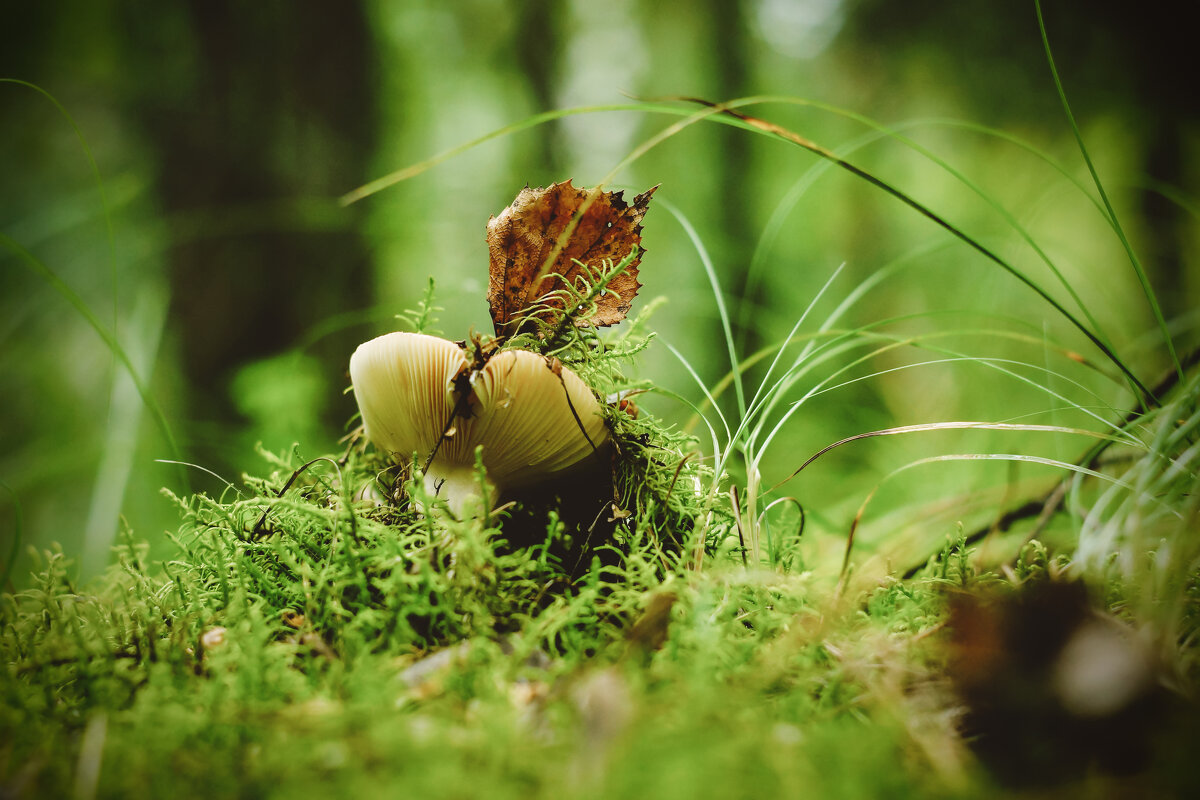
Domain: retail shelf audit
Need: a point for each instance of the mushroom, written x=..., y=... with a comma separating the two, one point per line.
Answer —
x=534, y=418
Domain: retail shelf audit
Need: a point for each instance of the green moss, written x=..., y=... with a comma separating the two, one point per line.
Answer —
x=281, y=663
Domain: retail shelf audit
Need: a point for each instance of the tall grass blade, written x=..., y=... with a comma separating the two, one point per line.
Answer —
x=1147, y=289
x=787, y=135
x=413, y=170
x=104, y=204
x=941, y=426
x=109, y=338
x=719, y=297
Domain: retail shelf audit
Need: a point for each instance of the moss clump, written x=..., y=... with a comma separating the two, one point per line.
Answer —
x=356, y=648
x=300, y=660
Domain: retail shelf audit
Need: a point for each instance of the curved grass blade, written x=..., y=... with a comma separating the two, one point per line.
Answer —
x=770, y=128
x=1147, y=289
x=1172, y=194
x=205, y=470
x=104, y=204
x=109, y=338
x=725, y=112
x=719, y=297
x=411, y=171
x=775, y=223
x=940, y=426
x=1075, y=469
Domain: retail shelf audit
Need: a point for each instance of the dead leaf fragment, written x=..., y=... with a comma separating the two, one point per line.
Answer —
x=1054, y=689
x=293, y=619
x=650, y=630
x=534, y=243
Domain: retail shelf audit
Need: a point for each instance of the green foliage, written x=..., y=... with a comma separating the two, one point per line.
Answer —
x=422, y=318
x=284, y=398
x=308, y=637
x=296, y=659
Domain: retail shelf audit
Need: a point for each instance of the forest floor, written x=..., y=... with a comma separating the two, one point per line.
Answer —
x=341, y=647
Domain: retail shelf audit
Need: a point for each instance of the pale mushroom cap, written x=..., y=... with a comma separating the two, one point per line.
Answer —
x=403, y=383
x=533, y=420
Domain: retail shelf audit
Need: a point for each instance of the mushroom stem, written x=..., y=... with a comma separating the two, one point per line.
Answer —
x=459, y=486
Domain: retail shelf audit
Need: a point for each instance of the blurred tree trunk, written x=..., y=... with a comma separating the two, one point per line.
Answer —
x=261, y=114
x=736, y=230
x=539, y=67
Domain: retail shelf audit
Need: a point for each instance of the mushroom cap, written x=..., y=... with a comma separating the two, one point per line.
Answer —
x=533, y=419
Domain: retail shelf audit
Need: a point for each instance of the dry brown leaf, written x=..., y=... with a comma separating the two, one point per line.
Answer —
x=534, y=243
x=649, y=632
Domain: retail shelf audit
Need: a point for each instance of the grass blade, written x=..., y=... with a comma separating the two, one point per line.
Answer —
x=786, y=135
x=719, y=297
x=109, y=338
x=1147, y=289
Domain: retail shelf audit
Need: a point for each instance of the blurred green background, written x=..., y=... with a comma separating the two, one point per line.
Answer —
x=216, y=250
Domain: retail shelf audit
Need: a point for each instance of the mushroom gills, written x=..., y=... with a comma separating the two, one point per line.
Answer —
x=460, y=487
